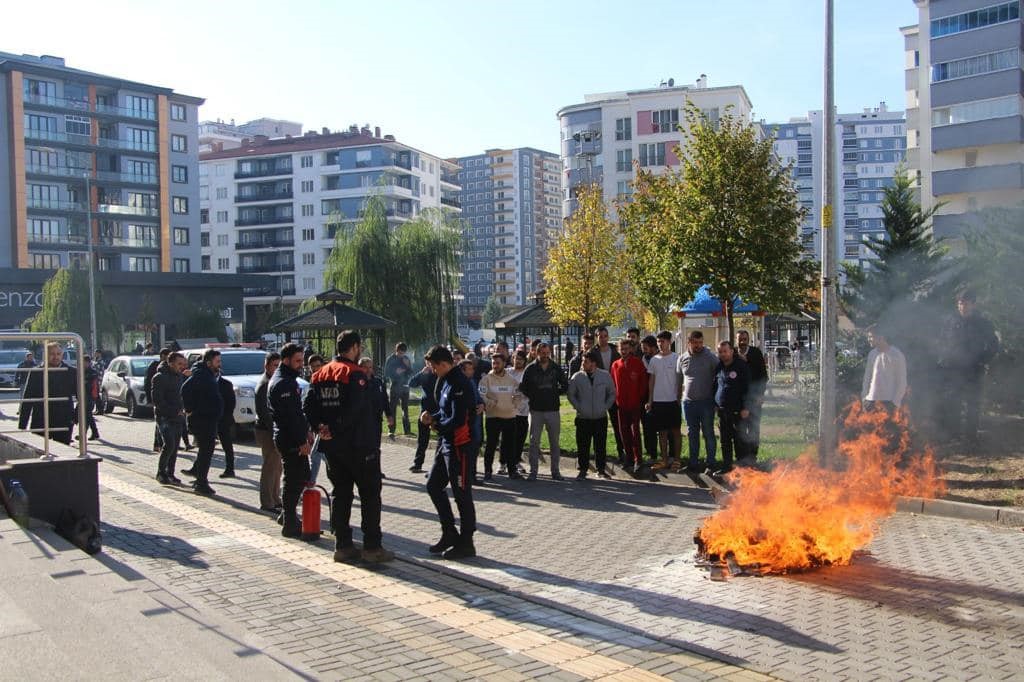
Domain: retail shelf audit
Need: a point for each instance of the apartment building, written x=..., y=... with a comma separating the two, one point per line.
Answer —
x=603, y=135
x=870, y=146
x=273, y=205
x=511, y=205
x=964, y=125
x=228, y=135
x=85, y=152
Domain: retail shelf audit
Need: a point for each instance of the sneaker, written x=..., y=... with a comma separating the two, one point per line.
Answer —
x=291, y=531
x=162, y=479
x=391, y=436
x=274, y=510
x=416, y=469
x=94, y=436
x=515, y=476
x=229, y=473
x=488, y=477
x=675, y=466
x=463, y=550
x=346, y=554
x=502, y=471
x=604, y=474
x=174, y=480
x=557, y=477
x=202, y=488
x=658, y=466
x=448, y=539
x=378, y=555
x=581, y=476
x=532, y=476
x=189, y=472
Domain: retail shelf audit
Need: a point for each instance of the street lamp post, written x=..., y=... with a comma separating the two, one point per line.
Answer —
x=92, y=264
x=827, y=432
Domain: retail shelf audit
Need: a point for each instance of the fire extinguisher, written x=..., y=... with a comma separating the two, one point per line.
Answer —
x=311, y=505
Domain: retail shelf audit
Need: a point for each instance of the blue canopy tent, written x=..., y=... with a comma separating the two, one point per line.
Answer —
x=704, y=305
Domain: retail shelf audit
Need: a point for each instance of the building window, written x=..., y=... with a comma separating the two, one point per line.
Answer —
x=974, y=66
x=222, y=240
x=181, y=265
x=141, y=107
x=204, y=239
x=223, y=263
x=179, y=205
x=39, y=91
x=664, y=121
x=623, y=129
x=308, y=234
x=181, y=236
x=77, y=125
x=309, y=283
x=307, y=210
x=45, y=261
x=977, y=111
x=141, y=264
x=222, y=192
x=652, y=154
x=979, y=18
x=309, y=259
x=222, y=216
x=307, y=185
x=204, y=262
x=179, y=174
x=204, y=216
x=179, y=143
x=306, y=162
x=178, y=114
x=624, y=160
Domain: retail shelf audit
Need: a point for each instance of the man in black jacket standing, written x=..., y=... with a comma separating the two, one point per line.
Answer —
x=609, y=353
x=226, y=425
x=424, y=380
x=398, y=372
x=170, y=414
x=752, y=355
x=62, y=384
x=147, y=389
x=543, y=380
x=732, y=381
x=204, y=408
x=342, y=404
x=263, y=430
x=291, y=434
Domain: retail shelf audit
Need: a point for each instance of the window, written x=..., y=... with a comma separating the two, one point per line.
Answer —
x=223, y=263
x=713, y=116
x=181, y=265
x=664, y=121
x=181, y=236
x=973, y=66
x=309, y=259
x=307, y=210
x=971, y=159
x=307, y=185
x=39, y=91
x=222, y=216
x=306, y=162
x=204, y=216
x=309, y=283
x=45, y=261
x=204, y=239
x=179, y=174
x=308, y=234
x=178, y=113
x=141, y=264
x=979, y=18
x=623, y=129
x=976, y=111
x=222, y=192
x=624, y=160
x=623, y=189
x=179, y=205
x=222, y=240
x=77, y=125
x=179, y=143
x=142, y=139
x=141, y=107
x=41, y=124
x=204, y=262
x=652, y=154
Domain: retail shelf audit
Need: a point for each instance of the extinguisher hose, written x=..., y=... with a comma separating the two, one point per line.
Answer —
x=330, y=507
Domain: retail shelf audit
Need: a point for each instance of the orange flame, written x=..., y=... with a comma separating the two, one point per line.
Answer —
x=800, y=515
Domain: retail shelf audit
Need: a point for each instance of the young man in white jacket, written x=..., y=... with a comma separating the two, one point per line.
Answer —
x=500, y=391
x=591, y=393
x=885, y=373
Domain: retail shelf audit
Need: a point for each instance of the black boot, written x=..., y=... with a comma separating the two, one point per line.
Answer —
x=290, y=526
x=463, y=550
x=449, y=538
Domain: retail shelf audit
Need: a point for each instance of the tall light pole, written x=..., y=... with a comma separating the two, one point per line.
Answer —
x=827, y=432
x=92, y=264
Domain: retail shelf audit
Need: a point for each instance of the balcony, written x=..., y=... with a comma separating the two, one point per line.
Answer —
x=269, y=291
x=55, y=204
x=127, y=145
x=130, y=243
x=55, y=136
x=450, y=178
x=112, y=110
x=266, y=268
x=59, y=238
x=118, y=209
x=241, y=199
x=56, y=171
x=264, y=172
x=56, y=102
x=128, y=178
x=263, y=220
x=264, y=244
x=454, y=203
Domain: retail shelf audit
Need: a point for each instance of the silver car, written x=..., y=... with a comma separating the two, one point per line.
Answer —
x=123, y=384
x=9, y=360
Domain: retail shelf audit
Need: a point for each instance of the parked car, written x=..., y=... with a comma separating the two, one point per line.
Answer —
x=122, y=385
x=243, y=367
x=9, y=361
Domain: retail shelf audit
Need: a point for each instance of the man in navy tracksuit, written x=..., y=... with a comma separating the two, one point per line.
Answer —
x=454, y=463
x=204, y=407
x=291, y=434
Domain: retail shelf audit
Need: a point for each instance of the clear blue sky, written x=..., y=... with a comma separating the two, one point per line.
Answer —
x=455, y=77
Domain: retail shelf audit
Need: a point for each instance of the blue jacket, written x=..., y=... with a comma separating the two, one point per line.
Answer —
x=285, y=402
x=454, y=396
x=425, y=381
x=731, y=385
x=201, y=397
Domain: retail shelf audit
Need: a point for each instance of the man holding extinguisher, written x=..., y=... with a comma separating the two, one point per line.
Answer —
x=342, y=405
x=291, y=434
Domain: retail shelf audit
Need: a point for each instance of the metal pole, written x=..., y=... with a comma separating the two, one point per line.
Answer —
x=46, y=401
x=827, y=432
x=92, y=266
x=82, y=403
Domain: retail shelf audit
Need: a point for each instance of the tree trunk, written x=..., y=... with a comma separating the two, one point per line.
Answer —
x=729, y=316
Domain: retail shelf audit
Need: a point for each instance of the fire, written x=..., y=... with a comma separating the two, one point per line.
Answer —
x=800, y=515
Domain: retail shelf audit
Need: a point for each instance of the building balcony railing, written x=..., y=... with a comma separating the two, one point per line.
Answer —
x=133, y=178
x=55, y=136
x=265, y=244
x=127, y=145
x=265, y=267
x=57, y=171
x=130, y=243
x=118, y=209
x=241, y=199
x=263, y=172
x=60, y=238
x=450, y=178
x=262, y=220
x=55, y=204
x=268, y=291
x=123, y=111
x=454, y=203
x=59, y=102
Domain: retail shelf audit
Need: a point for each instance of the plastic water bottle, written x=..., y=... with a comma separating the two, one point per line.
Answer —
x=19, y=503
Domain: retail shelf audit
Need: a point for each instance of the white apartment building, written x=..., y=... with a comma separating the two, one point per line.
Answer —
x=602, y=136
x=273, y=205
x=228, y=135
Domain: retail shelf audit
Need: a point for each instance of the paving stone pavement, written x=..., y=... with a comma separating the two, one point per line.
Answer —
x=933, y=598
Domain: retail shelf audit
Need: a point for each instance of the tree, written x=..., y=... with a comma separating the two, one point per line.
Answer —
x=909, y=262
x=199, y=322
x=66, y=307
x=583, y=276
x=492, y=311
x=727, y=218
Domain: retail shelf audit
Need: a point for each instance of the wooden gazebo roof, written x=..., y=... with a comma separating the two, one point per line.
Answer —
x=333, y=314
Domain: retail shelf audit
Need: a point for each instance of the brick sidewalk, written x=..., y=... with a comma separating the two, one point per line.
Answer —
x=934, y=598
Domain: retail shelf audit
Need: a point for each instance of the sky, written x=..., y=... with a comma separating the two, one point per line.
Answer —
x=456, y=77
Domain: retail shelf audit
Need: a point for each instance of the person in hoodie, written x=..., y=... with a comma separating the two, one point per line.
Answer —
x=732, y=383
x=170, y=414
x=476, y=420
x=542, y=382
x=591, y=393
x=500, y=390
x=631, y=382
x=291, y=434
x=204, y=407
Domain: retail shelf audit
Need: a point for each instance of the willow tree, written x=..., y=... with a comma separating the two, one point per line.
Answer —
x=584, y=273
x=728, y=218
x=66, y=307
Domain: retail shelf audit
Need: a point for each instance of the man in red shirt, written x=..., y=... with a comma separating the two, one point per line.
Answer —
x=630, y=378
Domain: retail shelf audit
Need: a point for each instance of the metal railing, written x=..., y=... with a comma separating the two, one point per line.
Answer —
x=81, y=403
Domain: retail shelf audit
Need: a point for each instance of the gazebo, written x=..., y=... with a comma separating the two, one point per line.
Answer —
x=533, y=321
x=706, y=312
x=320, y=327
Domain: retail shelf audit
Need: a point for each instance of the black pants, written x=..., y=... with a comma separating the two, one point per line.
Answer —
x=90, y=418
x=613, y=416
x=158, y=442
x=400, y=396
x=227, y=443
x=422, y=441
x=504, y=429
x=962, y=404
x=206, y=437
x=453, y=465
x=751, y=427
x=296, y=474
x=522, y=431
x=730, y=435
x=348, y=470
x=171, y=430
x=588, y=430
x=650, y=434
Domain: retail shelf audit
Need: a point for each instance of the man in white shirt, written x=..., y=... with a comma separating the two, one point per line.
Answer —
x=885, y=374
x=663, y=394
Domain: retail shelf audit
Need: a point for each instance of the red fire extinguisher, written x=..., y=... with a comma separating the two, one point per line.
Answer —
x=311, y=505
